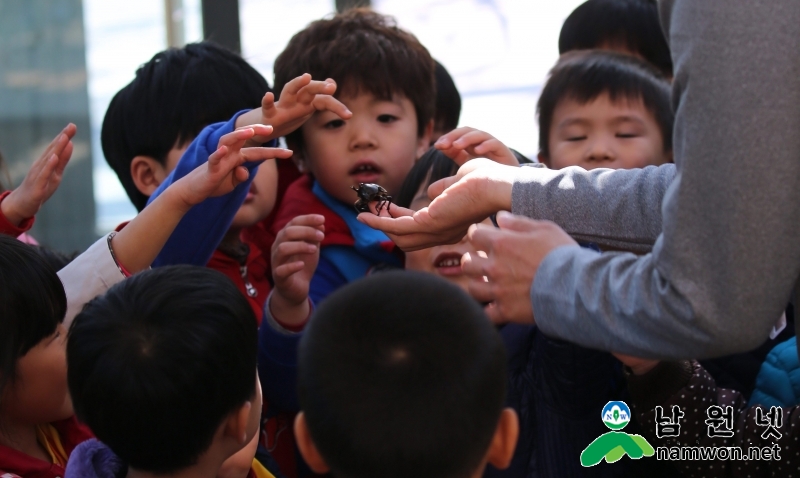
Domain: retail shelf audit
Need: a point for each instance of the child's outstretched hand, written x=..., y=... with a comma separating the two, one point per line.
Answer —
x=300, y=99
x=638, y=366
x=295, y=254
x=467, y=143
x=224, y=170
x=42, y=180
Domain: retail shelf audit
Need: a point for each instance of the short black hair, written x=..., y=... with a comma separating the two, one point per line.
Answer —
x=398, y=373
x=584, y=75
x=157, y=363
x=32, y=303
x=448, y=100
x=431, y=167
x=57, y=260
x=174, y=96
x=630, y=24
x=363, y=51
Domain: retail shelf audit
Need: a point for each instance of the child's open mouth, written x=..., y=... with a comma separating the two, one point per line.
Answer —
x=448, y=264
x=366, y=172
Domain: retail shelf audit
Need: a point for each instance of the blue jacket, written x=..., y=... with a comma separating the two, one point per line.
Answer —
x=778, y=381
x=558, y=389
x=201, y=230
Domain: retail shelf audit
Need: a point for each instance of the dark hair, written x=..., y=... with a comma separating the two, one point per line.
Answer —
x=173, y=97
x=448, y=100
x=362, y=51
x=630, y=24
x=394, y=379
x=157, y=363
x=431, y=167
x=32, y=303
x=57, y=260
x=584, y=75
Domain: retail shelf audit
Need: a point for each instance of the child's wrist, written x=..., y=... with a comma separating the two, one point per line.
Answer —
x=289, y=312
x=10, y=209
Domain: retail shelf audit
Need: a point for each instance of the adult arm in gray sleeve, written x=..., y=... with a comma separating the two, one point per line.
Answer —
x=723, y=270
x=619, y=209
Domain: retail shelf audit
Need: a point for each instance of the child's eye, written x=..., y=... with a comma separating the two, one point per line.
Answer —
x=576, y=138
x=627, y=135
x=333, y=124
x=387, y=118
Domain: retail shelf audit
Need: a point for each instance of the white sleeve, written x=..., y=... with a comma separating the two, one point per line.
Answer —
x=89, y=275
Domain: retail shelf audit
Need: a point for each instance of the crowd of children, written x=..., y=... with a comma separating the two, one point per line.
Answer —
x=246, y=324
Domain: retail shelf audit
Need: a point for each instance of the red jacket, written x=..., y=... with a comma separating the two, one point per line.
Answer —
x=14, y=463
x=256, y=272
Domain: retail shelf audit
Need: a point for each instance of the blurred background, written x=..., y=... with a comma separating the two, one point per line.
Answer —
x=63, y=60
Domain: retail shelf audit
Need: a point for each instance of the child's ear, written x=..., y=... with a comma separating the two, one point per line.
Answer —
x=543, y=159
x=424, y=141
x=298, y=156
x=237, y=423
x=147, y=174
x=306, y=446
x=504, y=441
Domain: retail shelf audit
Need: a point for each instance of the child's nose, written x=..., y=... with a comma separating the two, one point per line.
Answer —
x=363, y=139
x=600, y=150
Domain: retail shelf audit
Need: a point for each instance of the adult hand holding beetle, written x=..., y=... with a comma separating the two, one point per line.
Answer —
x=479, y=189
x=513, y=254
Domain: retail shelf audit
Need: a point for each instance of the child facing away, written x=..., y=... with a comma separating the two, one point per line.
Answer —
x=162, y=367
x=38, y=430
x=157, y=118
x=396, y=382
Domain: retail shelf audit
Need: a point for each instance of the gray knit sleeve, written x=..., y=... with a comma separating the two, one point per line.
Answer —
x=618, y=209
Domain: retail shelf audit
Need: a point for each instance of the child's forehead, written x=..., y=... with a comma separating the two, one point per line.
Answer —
x=602, y=106
x=354, y=92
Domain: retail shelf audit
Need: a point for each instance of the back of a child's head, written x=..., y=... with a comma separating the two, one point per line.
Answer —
x=172, y=98
x=399, y=374
x=630, y=26
x=158, y=362
x=364, y=52
x=583, y=76
x=32, y=304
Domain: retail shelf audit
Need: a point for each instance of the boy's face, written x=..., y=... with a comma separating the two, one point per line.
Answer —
x=604, y=134
x=378, y=144
x=260, y=198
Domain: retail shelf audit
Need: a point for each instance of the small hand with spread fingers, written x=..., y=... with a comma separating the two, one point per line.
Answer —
x=295, y=255
x=225, y=169
x=300, y=98
x=464, y=144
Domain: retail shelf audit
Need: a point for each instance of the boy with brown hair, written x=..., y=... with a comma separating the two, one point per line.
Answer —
x=385, y=77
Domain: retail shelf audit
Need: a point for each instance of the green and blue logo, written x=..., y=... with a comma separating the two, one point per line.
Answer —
x=615, y=444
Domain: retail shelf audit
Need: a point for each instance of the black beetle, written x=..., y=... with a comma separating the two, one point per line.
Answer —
x=367, y=193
